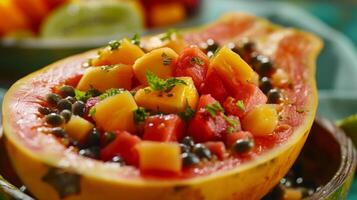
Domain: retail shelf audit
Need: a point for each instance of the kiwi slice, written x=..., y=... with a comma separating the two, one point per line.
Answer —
x=349, y=125
x=80, y=19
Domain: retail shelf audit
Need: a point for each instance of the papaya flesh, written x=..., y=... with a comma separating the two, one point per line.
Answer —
x=50, y=171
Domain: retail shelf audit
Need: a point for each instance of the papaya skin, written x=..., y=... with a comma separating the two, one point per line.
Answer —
x=32, y=160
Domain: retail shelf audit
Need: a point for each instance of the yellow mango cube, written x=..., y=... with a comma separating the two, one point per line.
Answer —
x=173, y=41
x=261, y=120
x=78, y=128
x=159, y=156
x=127, y=53
x=116, y=113
x=107, y=77
x=159, y=61
x=232, y=67
x=177, y=100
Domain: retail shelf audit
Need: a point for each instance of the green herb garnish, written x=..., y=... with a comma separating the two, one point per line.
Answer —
x=109, y=137
x=140, y=115
x=106, y=68
x=166, y=60
x=187, y=114
x=168, y=35
x=214, y=108
x=240, y=105
x=158, y=84
x=196, y=60
x=110, y=93
x=114, y=45
x=92, y=111
x=136, y=39
x=84, y=96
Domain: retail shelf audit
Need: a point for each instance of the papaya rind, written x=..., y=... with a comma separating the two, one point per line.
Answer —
x=251, y=180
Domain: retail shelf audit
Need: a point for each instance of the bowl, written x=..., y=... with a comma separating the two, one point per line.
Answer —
x=328, y=160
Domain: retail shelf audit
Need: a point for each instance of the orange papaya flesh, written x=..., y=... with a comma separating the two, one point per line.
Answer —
x=40, y=160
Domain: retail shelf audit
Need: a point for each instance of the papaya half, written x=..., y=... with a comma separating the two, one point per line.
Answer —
x=52, y=171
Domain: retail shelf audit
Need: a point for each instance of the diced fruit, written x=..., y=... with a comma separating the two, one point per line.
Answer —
x=116, y=113
x=232, y=68
x=126, y=53
x=164, y=14
x=123, y=146
x=11, y=18
x=163, y=128
x=177, y=100
x=240, y=135
x=215, y=86
x=171, y=39
x=205, y=100
x=104, y=78
x=204, y=127
x=194, y=63
x=261, y=120
x=159, y=157
x=78, y=128
x=217, y=148
x=35, y=10
x=246, y=98
x=210, y=123
x=159, y=61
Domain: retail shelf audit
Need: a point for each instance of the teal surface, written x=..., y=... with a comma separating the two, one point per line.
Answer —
x=337, y=64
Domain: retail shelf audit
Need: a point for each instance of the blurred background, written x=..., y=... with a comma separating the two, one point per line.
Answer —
x=35, y=33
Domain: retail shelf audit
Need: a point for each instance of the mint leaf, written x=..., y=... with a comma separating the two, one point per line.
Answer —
x=240, y=105
x=140, y=115
x=214, y=108
x=114, y=45
x=158, y=84
x=168, y=35
x=92, y=111
x=187, y=114
x=166, y=60
x=196, y=60
x=84, y=96
x=136, y=39
x=110, y=93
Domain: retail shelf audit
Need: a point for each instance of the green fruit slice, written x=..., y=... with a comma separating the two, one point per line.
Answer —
x=9, y=192
x=349, y=125
x=93, y=19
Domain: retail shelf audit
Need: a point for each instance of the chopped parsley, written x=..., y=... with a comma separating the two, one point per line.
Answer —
x=231, y=122
x=109, y=137
x=92, y=111
x=158, y=84
x=107, y=68
x=114, y=45
x=110, y=93
x=196, y=60
x=240, y=105
x=187, y=114
x=168, y=35
x=136, y=39
x=166, y=60
x=214, y=108
x=84, y=96
x=140, y=115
